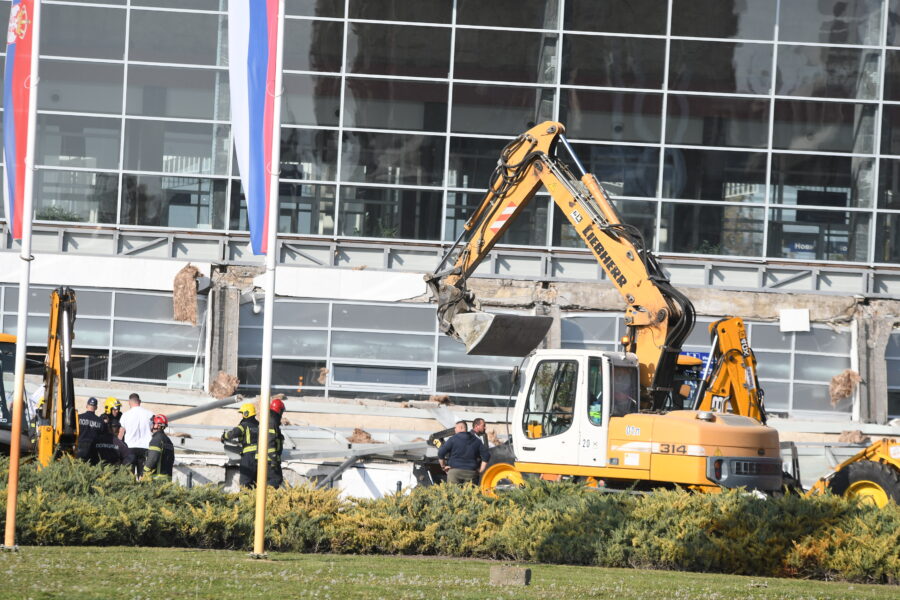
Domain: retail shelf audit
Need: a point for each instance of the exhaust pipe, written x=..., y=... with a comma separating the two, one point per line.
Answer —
x=486, y=334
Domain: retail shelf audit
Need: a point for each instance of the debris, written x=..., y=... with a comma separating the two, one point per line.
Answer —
x=405, y=405
x=285, y=422
x=854, y=437
x=843, y=385
x=493, y=440
x=182, y=435
x=322, y=377
x=360, y=268
x=184, y=294
x=440, y=399
x=223, y=385
x=360, y=436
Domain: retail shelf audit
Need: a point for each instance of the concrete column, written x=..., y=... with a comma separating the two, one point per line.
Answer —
x=224, y=304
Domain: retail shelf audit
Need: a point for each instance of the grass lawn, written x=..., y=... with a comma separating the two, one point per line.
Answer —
x=160, y=573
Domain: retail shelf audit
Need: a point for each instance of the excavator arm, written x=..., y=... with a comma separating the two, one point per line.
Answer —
x=658, y=316
x=57, y=416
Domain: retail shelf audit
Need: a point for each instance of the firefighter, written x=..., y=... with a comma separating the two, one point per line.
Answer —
x=112, y=410
x=161, y=453
x=247, y=435
x=276, y=443
x=89, y=427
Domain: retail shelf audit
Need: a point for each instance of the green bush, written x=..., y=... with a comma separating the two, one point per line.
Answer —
x=826, y=537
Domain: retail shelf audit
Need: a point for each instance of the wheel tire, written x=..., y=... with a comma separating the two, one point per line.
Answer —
x=500, y=471
x=870, y=481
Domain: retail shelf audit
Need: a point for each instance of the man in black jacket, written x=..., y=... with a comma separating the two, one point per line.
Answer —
x=161, y=453
x=247, y=435
x=276, y=443
x=89, y=427
x=468, y=456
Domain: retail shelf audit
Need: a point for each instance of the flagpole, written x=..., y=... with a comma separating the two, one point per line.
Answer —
x=269, y=303
x=24, y=283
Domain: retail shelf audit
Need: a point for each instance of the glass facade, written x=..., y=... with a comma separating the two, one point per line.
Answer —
x=763, y=128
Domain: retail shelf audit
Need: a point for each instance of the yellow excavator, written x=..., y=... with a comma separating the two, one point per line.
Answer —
x=52, y=430
x=643, y=418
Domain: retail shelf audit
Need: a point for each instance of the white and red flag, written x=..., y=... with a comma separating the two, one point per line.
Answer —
x=252, y=40
x=17, y=88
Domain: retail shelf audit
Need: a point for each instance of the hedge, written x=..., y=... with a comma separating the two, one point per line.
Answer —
x=826, y=537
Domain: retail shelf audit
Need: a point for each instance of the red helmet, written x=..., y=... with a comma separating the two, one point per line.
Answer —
x=276, y=406
x=160, y=420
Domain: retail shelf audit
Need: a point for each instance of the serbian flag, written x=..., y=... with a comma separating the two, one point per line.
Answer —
x=252, y=33
x=16, y=93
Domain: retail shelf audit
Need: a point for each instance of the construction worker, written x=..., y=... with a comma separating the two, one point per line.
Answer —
x=247, y=435
x=466, y=455
x=276, y=443
x=89, y=427
x=161, y=452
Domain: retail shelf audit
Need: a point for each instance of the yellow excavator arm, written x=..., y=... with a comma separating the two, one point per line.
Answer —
x=658, y=316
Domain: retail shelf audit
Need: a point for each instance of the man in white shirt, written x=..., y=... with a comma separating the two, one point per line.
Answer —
x=135, y=431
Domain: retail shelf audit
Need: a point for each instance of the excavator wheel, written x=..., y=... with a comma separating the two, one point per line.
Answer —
x=500, y=476
x=870, y=481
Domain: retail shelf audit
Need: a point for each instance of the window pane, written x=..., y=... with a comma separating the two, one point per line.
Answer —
x=71, y=141
x=613, y=61
x=82, y=31
x=165, y=201
x=529, y=228
x=286, y=374
x=711, y=229
x=617, y=16
x=585, y=329
x=174, y=92
x=717, y=121
x=382, y=346
x=827, y=71
x=830, y=21
x=528, y=14
x=167, y=337
x=390, y=213
x=299, y=314
x=92, y=302
x=80, y=87
x=818, y=234
x=778, y=395
x=824, y=126
x=75, y=196
x=551, y=399
x=289, y=343
x=172, y=147
x=887, y=238
x=398, y=50
x=389, y=104
x=639, y=213
x=172, y=370
x=769, y=336
x=308, y=154
x=715, y=175
x=451, y=351
x=454, y=380
x=368, y=316
x=819, y=368
x=144, y=306
x=425, y=11
x=621, y=170
x=497, y=55
x=838, y=181
x=302, y=208
x=889, y=184
x=381, y=375
x=91, y=332
x=736, y=19
x=890, y=129
x=313, y=45
x=615, y=116
x=314, y=8
x=472, y=161
x=824, y=340
x=893, y=32
x=392, y=158
x=177, y=37
x=311, y=100
x=723, y=67
x=214, y=5
x=491, y=109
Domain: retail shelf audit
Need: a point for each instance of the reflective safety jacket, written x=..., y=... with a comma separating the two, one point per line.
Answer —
x=160, y=457
x=246, y=434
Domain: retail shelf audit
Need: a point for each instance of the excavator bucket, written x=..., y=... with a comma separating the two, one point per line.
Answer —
x=486, y=334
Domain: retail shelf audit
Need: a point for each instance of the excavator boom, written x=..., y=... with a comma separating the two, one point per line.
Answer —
x=658, y=316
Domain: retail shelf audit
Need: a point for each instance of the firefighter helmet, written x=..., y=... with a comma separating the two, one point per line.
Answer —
x=276, y=406
x=160, y=420
x=247, y=410
x=112, y=403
